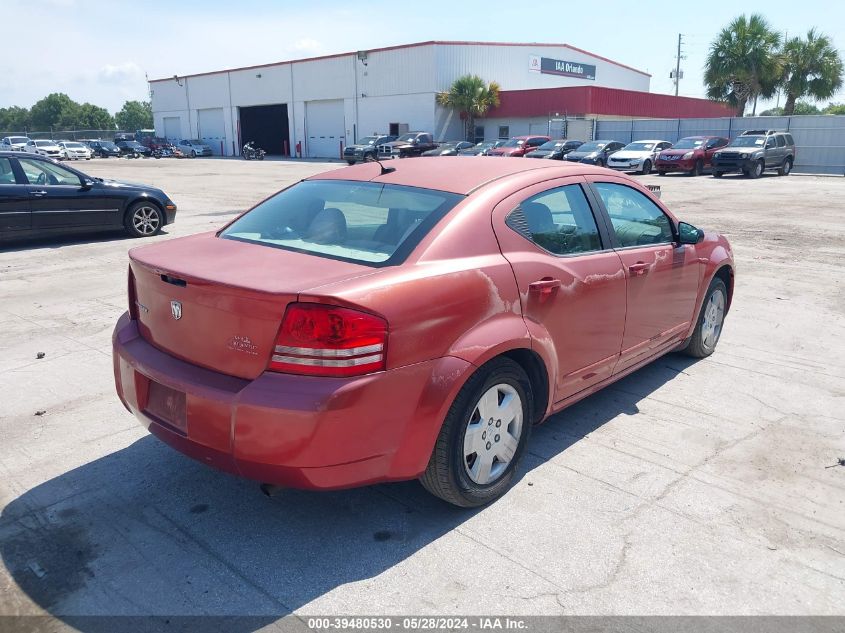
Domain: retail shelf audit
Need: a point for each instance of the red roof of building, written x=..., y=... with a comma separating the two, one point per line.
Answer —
x=580, y=100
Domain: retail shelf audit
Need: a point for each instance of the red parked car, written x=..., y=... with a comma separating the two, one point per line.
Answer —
x=692, y=155
x=519, y=146
x=414, y=321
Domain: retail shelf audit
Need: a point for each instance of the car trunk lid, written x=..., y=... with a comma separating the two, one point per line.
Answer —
x=218, y=303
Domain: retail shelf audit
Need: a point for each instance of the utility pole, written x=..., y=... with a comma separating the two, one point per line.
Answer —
x=676, y=75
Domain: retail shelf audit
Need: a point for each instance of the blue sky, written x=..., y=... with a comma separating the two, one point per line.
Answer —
x=100, y=51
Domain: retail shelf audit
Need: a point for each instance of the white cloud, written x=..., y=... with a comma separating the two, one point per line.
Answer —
x=126, y=73
x=307, y=45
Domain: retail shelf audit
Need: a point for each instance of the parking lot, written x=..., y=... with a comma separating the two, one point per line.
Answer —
x=708, y=487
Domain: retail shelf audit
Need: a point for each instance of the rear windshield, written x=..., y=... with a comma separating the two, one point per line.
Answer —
x=362, y=222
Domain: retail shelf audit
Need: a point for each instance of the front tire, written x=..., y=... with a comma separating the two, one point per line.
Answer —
x=717, y=174
x=756, y=170
x=697, y=168
x=143, y=219
x=193, y=153
x=646, y=168
x=708, y=328
x=483, y=436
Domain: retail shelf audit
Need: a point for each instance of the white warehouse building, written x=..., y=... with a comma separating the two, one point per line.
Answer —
x=321, y=104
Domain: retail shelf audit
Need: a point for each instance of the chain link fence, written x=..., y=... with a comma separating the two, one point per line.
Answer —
x=66, y=135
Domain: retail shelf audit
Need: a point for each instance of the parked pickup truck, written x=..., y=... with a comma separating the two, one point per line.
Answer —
x=408, y=145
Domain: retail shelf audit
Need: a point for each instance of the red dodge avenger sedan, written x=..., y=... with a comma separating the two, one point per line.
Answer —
x=414, y=321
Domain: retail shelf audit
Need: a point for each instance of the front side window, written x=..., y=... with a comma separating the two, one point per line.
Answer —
x=636, y=220
x=362, y=222
x=559, y=221
x=39, y=172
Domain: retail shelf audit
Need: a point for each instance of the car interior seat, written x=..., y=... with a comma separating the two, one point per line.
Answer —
x=327, y=227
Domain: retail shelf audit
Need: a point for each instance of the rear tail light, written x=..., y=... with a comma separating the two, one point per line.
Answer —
x=133, y=296
x=324, y=340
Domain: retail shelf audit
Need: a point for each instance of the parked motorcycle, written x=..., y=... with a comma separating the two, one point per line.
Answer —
x=250, y=152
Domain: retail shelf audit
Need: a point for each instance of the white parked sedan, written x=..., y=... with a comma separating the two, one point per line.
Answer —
x=637, y=156
x=13, y=143
x=194, y=148
x=44, y=148
x=71, y=150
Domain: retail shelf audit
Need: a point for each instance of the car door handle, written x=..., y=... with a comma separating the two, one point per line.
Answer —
x=38, y=193
x=544, y=287
x=638, y=269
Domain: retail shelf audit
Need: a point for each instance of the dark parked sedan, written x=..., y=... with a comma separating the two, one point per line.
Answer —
x=40, y=197
x=450, y=148
x=555, y=150
x=132, y=148
x=594, y=152
x=103, y=149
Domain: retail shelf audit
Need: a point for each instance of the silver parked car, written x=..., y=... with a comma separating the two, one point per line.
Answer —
x=194, y=148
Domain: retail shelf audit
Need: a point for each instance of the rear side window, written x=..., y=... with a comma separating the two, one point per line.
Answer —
x=363, y=222
x=781, y=140
x=789, y=140
x=559, y=221
x=7, y=176
x=636, y=220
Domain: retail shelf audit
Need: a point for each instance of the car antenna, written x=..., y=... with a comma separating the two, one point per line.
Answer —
x=384, y=170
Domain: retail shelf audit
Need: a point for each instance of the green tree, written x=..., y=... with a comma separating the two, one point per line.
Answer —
x=135, y=115
x=743, y=62
x=834, y=108
x=812, y=68
x=14, y=119
x=56, y=110
x=471, y=97
x=91, y=117
x=776, y=111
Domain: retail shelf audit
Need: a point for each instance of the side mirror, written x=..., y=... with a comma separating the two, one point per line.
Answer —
x=688, y=234
x=85, y=183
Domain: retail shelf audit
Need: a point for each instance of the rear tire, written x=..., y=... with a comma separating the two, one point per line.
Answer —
x=483, y=436
x=708, y=328
x=717, y=174
x=143, y=219
x=661, y=173
x=350, y=162
x=785, y=168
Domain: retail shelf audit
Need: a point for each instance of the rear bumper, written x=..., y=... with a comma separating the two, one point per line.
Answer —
x=297, y=431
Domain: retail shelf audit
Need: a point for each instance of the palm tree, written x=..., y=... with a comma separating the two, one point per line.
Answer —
x=811, y=68
x=472, y=97
x=743, y=62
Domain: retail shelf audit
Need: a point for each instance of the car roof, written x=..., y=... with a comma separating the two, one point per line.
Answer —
x=456, y=175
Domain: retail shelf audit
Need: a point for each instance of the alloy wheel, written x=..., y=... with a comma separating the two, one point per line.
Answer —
x=146, y=220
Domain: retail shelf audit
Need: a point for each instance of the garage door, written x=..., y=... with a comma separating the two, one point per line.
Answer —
x=324, y=128
x=211, y=130
x=173, y=128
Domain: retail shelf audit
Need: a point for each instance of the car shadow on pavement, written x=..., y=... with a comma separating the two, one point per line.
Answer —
x=146, y=531
x=118, y=235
